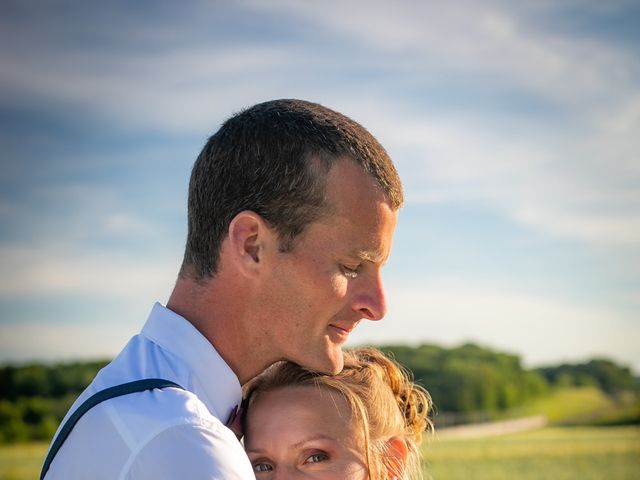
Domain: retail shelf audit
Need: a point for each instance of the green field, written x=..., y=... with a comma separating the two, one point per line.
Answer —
x=582, y=406
x=611, y=453
x=21, y=462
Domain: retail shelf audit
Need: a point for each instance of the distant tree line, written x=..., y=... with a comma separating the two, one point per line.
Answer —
x=463, y=380
x=602, y=373
x=469, y=378
x=35, y=398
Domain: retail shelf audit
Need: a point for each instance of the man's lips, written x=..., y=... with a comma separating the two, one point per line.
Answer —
x=342, y=331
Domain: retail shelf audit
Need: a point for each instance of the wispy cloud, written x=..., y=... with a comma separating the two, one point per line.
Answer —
x=44, y=341
x=547, y=181
x=179, y=91
x=38, y=272
x=81, y=239
x=498, y=106
x=540, y=329
x=511, y=40
x=74, y=215
x=573, y=174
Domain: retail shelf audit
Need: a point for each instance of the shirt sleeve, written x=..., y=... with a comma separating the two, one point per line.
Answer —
x=191, y=452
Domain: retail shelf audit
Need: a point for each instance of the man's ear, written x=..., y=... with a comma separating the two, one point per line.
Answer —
x=248, y=235
x=397, y=457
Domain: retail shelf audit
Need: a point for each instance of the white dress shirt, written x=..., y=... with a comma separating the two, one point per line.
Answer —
x=159, y=434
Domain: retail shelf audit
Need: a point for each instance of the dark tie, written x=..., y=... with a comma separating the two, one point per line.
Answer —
x=234, y=423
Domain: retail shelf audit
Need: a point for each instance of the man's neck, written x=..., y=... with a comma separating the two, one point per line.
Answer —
x=222, y=314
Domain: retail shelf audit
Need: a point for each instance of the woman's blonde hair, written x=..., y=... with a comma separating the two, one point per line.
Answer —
x=381, y=396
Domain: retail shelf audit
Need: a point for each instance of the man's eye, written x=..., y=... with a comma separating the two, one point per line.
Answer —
x=317, y=457
x=262, y=467
x=350, y=272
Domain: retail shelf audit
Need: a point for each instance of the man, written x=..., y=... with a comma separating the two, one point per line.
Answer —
x=292, y=208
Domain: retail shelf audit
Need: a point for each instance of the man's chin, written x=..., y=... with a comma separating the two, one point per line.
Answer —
x=330, y=363
x=335, y=363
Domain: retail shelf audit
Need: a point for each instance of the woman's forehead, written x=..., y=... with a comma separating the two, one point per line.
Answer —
x=301, y=412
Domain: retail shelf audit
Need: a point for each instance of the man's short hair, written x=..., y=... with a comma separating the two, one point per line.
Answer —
x=273, y=159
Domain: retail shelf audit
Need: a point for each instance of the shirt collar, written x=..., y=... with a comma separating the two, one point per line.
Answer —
x=210, y=378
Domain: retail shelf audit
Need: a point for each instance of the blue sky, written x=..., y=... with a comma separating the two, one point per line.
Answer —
x=514, y=126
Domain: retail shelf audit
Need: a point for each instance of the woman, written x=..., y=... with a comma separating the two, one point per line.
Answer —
x=364, y=423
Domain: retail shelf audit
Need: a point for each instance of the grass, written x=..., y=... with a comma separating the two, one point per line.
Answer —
x=22, y=461
x=582, y=406
x=567, y=453
x=583, y=453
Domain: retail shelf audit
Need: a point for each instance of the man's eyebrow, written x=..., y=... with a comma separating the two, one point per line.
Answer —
x=370, y=256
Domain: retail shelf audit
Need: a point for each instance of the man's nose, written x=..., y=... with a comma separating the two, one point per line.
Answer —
x=370, y=301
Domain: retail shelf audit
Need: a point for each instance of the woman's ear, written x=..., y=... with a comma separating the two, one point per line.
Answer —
x=397, y=458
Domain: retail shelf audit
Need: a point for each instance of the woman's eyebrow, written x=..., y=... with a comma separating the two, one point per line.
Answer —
x=313, y=438
x=255, y=450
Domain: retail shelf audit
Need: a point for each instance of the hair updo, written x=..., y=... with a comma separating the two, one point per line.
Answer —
x=381, y=395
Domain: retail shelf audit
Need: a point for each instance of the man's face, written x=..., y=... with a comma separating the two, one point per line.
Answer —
x=317, y=293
